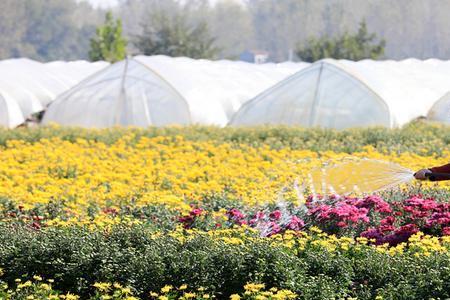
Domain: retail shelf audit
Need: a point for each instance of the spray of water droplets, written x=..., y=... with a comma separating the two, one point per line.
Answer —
x=350, y=176
x=360, y=176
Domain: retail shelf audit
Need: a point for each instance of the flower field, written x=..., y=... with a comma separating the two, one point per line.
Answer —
x=200, y=213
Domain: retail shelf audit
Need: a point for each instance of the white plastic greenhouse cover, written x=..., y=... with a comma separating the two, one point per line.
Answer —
x=215, y=90
x=33, y=85
x=208, y=92
x=41, y=81
x=29, y=84
x=127, y=93
x=73, y=72
x=10, y=113
x=342, y=94
x=440, y=112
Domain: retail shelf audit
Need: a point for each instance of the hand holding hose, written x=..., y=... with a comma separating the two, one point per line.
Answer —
x=426, y=174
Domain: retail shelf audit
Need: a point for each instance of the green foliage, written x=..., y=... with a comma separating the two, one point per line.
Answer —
x=108, y=44
x=35, y=289
x=174, y=36
x=77, y=258
x=417, y=137
x=353, y=47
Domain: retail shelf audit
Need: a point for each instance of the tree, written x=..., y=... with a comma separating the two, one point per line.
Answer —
x=353, y=47
x=108, y=44
x=174, y=36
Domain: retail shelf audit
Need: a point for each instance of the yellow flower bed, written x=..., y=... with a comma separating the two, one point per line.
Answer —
x=160, y=170
x=39, y=289
x=297, y=241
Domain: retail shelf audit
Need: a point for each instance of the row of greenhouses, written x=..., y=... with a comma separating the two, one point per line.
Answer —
x=27, y=87
x=159, y=90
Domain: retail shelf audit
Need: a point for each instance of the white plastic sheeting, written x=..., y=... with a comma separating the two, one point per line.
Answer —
x=208, y=92
x=440, y=111
x=10, y=113
x=29, y=83
x=127, y=93
x=33, y=85
x=73, y=72
x=342, y=94
x=215, y=90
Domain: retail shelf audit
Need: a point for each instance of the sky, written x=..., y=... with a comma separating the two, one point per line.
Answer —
x=102, y=3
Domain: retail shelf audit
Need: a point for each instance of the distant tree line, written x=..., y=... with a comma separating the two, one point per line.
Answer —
x=310, y=29
x=409, y=28
x=170, y=33
x=46, y=29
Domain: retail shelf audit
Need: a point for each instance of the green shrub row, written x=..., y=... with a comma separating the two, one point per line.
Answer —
x=76, y=258
x=416, y=137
